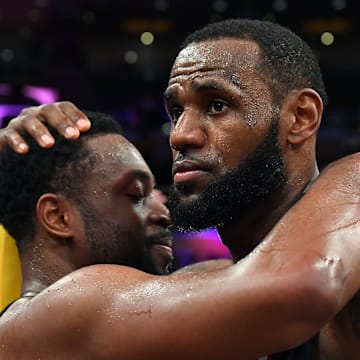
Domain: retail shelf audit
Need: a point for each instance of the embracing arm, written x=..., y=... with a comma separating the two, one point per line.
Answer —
x=279, y=296
x=111, y=312
x=302, y=274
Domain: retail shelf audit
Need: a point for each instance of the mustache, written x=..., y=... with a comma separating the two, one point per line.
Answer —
x=190, y=157
x=160, y=235
x=198, y=161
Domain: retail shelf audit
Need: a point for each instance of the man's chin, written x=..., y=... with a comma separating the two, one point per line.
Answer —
x=189, y=189
x=162, y=258
x=185, y=195
x=182, y=206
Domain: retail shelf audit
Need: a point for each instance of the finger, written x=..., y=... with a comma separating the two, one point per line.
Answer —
x=63, y=116
x=33, y=126
x=14, y=140
x=53, y=115
x=26, y=121
x=77, y=117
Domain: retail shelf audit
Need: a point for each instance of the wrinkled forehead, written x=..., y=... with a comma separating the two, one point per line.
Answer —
x=228, y=54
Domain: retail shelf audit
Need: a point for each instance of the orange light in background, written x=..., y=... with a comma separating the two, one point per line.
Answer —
x=336, y=25
x=136, y=26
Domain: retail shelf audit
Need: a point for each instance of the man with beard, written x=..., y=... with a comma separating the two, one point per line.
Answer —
x=244, y=128
x=232, y=195
x=158, y=239
x=246, y=98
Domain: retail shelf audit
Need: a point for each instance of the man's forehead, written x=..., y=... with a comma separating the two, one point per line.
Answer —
x=116, y=155
x=218, y=54
x=114, y=148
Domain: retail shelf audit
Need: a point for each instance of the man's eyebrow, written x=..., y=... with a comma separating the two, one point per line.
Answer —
x=169, y=94
x=218, y=83
x=225, y=77
x=209, y=84
x=204, y=85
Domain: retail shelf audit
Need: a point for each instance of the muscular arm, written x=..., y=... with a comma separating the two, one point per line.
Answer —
x=303, y=273
x=88, y=315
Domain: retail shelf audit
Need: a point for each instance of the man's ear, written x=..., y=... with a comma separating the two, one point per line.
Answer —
x=55, y=215
x=304, y=108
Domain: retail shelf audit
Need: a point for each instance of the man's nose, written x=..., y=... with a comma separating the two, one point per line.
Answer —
x=159, y=213
x=188, y=132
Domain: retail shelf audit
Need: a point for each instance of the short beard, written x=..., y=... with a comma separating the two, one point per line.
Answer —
x=237, y=192
x=104, y=243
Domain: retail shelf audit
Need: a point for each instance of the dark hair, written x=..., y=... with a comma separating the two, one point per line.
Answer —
x=286, y=60
x=61, y=169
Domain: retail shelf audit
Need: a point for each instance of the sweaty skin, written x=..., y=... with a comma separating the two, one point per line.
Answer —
x=300, y=281
x=213, y=103
x=158, y=234
x=214, y=106
x=296, y=283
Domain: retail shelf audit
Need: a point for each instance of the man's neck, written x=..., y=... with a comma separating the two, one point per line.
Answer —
x=243, y=235
x=41, y=266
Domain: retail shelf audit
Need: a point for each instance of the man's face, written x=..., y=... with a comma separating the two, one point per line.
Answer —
x=234, y=194
x=118, y=212
x=223, y=127
x=158, y=234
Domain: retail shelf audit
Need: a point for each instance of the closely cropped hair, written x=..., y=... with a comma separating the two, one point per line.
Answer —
x=286, y=60
x=61, y=169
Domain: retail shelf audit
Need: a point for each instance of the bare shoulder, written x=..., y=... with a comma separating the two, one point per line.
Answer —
x=66, y=315
x=343, y=170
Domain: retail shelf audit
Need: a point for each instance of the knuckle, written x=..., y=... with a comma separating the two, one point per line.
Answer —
x=45, y=107
x=28, y=110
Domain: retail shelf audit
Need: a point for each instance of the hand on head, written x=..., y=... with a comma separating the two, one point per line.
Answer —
x=64, y=116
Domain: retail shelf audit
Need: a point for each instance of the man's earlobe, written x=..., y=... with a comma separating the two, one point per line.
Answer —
x=53, y=213
x=307, y=107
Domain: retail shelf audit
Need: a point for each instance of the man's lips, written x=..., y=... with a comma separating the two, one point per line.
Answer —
x=163, y=249
x=161, y=239
x=187, y=170
x=186, y=175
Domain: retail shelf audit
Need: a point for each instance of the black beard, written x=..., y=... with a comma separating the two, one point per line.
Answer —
x=235, y=193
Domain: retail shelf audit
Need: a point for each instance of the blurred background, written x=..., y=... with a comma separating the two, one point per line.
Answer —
x=115, y=56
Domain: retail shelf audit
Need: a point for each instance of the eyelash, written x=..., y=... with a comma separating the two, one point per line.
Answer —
x=137, y=199
x=174, y=118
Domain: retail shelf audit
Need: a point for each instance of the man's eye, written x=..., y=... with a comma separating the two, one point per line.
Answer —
x=217, y=106
x=137, y=198
x=175, y=114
